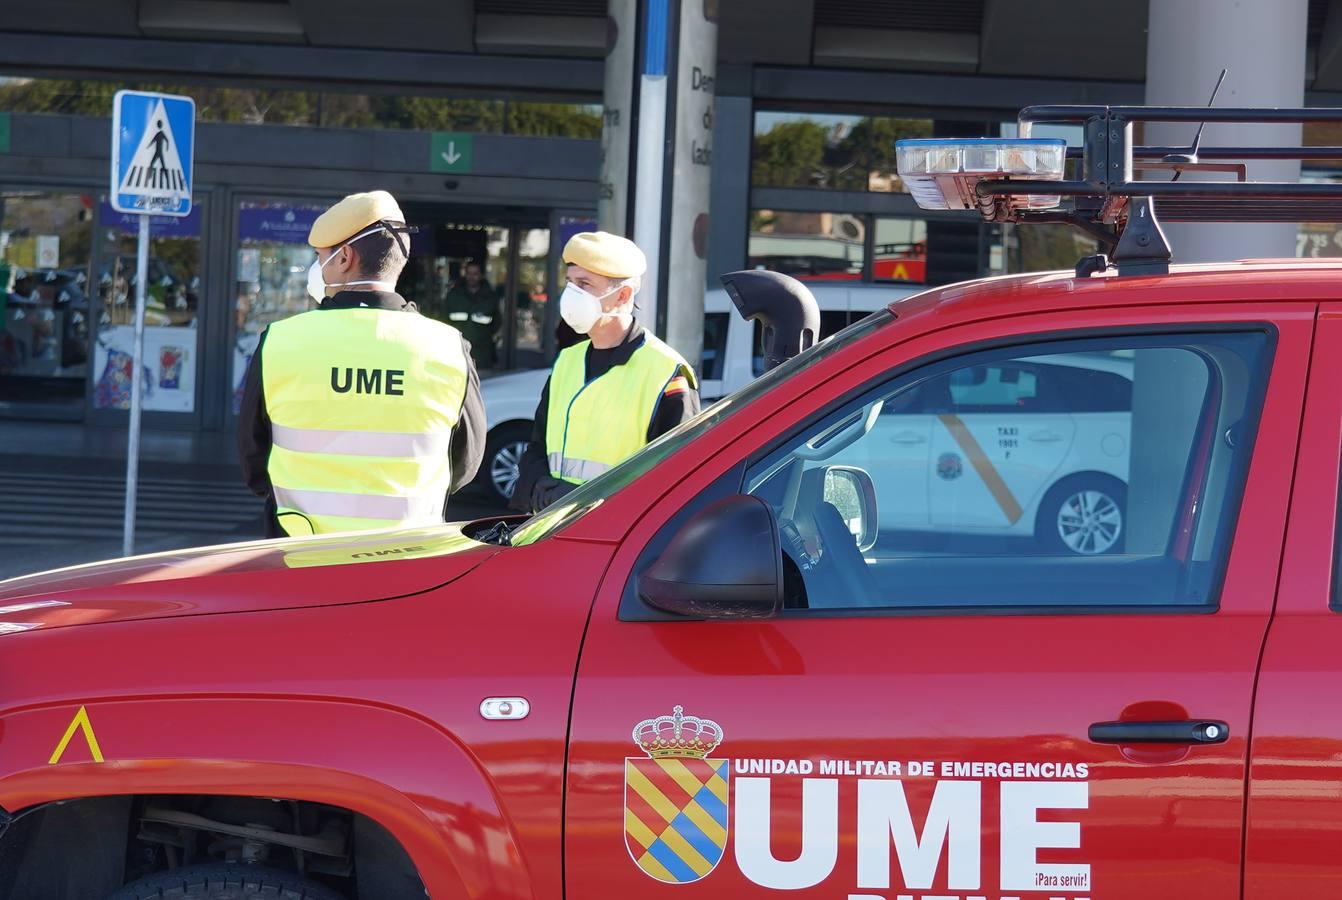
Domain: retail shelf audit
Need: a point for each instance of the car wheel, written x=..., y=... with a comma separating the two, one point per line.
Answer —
x=1085, y=515
x=503, y=459
x=223, y=881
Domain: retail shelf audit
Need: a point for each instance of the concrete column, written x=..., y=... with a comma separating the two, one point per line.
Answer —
x=657, y=165
x=1263, y=46
x=618, y=123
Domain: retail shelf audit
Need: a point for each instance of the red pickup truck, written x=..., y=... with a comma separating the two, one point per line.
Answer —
x=714, y=674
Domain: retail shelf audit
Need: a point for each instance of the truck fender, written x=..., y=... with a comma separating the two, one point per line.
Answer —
x=394, y=766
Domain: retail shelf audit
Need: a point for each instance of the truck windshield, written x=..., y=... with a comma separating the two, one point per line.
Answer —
x=592, y=493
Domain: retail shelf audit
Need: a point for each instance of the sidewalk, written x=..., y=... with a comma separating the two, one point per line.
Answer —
x=62, y=494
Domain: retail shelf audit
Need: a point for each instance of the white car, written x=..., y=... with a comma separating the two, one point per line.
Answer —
x=731, y=359
x=1034, y=447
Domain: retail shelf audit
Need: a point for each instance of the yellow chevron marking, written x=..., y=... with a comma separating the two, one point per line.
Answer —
x=81, y=722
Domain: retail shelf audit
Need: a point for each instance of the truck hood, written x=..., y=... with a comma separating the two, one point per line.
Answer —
x=261, y=575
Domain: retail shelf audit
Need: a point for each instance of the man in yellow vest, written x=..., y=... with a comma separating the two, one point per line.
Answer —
x=361, y=413
x=610, y=393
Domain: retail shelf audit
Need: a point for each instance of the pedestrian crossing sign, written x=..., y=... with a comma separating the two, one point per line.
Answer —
x=153, y=139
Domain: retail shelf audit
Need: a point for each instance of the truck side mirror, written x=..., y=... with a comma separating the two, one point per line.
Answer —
x=726, y=562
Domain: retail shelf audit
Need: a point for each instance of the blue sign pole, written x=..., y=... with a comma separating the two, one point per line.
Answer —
x=153, y=152
x=136, y=401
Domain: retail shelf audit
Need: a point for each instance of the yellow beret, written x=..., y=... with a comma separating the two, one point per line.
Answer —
x=352, y=215
x=605, y=254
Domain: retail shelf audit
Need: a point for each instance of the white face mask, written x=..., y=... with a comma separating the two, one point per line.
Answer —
x=317, y=280
x=582, y=310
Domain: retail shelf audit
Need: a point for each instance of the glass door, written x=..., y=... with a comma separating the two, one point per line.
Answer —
x=486, y=276
x=45, y=273
x=173, y=341
x=270, y=276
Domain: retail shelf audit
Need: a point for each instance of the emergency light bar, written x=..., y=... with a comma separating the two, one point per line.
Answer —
x=1021, y=180
x=944, y=173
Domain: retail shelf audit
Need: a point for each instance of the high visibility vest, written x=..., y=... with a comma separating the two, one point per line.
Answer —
x=591, y=426
x=362, y=403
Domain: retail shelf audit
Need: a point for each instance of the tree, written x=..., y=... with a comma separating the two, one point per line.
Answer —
x=790, y=154
x=569, y=120
x=869, y=148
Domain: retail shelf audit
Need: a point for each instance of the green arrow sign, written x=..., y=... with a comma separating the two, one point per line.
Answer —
x=451, y=151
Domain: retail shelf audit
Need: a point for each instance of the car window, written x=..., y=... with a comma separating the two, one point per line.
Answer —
x=999, y=388
x=831, y=322
x=1102, y=472
x=715, y=344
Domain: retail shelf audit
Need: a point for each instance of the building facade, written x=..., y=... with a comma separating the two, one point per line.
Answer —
x=484, y=118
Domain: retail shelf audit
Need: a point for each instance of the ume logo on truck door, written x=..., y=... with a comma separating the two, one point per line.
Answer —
x=676, y=820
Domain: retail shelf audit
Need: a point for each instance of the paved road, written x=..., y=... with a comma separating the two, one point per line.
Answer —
x=50, y=519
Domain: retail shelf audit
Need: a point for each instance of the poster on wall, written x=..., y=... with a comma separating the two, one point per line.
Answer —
x=48, y=251
x=169, y=368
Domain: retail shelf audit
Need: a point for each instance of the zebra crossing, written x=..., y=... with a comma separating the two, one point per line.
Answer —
x=44, y=508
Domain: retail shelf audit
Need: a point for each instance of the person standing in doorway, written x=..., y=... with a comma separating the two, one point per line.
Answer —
x=613, y=391
x=361, y=413
x=473, y=308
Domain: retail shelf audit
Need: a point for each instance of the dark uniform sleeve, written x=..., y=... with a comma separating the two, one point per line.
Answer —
x=468, y=438
x=254, y=428
x=676, y=406
x=534, y=464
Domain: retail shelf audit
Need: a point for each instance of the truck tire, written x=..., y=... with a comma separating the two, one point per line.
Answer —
x=1084, y=515
x=222, y=881
x=503, y=454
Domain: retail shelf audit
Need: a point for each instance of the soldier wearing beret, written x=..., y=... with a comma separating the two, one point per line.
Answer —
x=361, y=413
x=611, y=392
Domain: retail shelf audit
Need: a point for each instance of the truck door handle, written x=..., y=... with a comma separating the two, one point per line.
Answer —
x=1045, y=437
x=1191, y=731
x=908, y=437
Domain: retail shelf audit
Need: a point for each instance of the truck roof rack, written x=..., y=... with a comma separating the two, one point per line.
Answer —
x=1104, y=198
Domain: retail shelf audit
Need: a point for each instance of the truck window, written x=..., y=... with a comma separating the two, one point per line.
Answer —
x=1083, y=473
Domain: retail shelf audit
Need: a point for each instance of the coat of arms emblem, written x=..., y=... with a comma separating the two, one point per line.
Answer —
x=675, y=798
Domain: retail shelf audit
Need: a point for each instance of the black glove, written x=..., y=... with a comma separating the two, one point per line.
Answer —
x=547, y=490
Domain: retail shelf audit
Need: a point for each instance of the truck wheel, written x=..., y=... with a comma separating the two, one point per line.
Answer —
x=503, y=457
x=1084, y=515
x=221, y=881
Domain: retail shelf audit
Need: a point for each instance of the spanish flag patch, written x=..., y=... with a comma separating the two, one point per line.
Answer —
x=678, y=385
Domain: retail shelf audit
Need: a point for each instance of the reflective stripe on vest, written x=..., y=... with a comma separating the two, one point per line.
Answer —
x=359, y=506
x=575, y=470
x=359, y=443
x=592, y=426
x=362, y=403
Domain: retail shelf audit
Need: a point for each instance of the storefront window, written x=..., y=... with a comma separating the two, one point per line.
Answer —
x=819, y=150
x=811, y=246
x=1044, y=248
x=900, y=250
x=272, y=268
x=458, y=273
x=172, y=305
x=45, y=240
